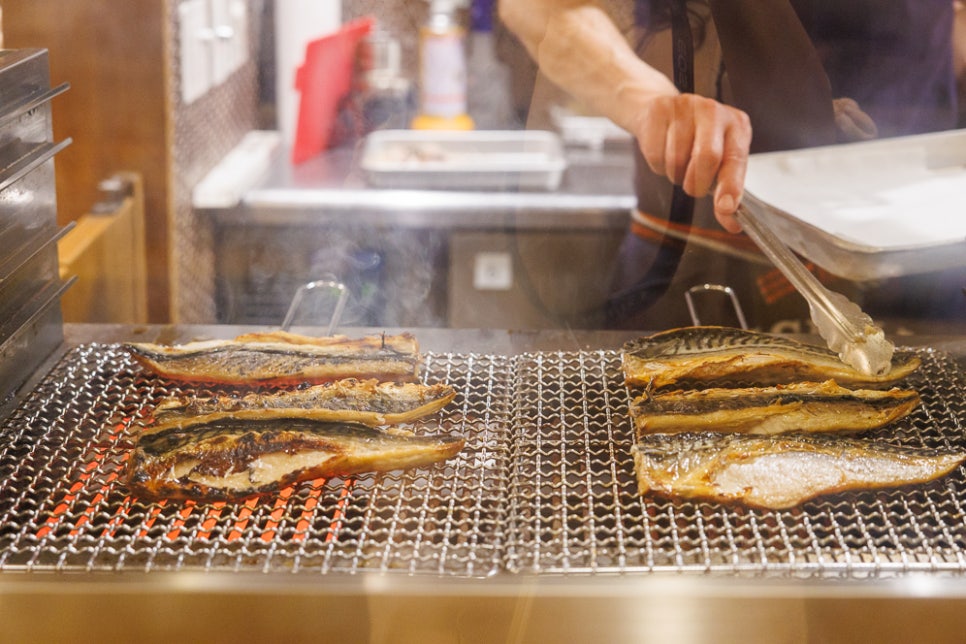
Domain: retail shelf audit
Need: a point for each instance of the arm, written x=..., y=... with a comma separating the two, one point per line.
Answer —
x=694, y=141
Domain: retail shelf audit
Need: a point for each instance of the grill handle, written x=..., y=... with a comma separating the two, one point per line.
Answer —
x=300, y=295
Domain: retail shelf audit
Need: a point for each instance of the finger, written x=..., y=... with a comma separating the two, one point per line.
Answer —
x=854, y=124
x=706, y=155
x=680, y=140
x=731, y=174
x=653, y=139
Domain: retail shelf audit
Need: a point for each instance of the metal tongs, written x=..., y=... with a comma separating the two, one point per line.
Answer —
x=847, y=330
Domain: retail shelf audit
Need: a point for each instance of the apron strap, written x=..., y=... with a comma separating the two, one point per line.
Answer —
x=656, y=281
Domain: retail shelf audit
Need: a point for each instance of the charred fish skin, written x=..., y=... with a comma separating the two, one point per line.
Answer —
x=370, y=402
x=807, y=407
x=280, y=358
x=709, y=354
x=229, y=460
x=777, y=472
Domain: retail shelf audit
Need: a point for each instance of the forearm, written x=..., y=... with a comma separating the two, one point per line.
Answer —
x=578, y=47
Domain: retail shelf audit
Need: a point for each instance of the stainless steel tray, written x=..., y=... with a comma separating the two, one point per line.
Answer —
x=869, y=210
x=476, y=160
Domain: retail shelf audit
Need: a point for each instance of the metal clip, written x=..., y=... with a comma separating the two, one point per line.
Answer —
x=735, y=304
x=332, y=285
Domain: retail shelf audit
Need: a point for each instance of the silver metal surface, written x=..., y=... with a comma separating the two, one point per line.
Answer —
x=27, y=338
x=31, y=327
x=545, y=486
x=330, y=189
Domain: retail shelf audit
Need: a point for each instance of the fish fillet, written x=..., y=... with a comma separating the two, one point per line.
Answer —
x=777, y=472
x=231, y=459
x=709, y=354
x=367, y=401
x=283, y=358
x=806, y=406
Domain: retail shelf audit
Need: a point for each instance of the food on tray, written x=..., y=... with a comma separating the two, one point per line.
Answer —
x=283, y=358
x=709, y=354
x=780, y=471
x=230, y=459
x=806, y=406
x=363, y=401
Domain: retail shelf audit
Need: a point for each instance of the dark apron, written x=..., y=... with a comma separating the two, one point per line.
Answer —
x=674, y=245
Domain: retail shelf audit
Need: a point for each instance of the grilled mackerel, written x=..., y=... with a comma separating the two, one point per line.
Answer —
x=230, y=459
x=367, y=401
x=280, y=358
x=777, y=472
x=710, y=354
x=806, y=406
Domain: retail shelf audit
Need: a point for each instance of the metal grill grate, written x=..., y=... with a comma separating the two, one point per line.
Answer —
x=62, y=506
x=544, y=485
x=573, y=504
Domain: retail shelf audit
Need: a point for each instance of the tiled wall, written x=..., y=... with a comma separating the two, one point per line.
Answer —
x=204, y=132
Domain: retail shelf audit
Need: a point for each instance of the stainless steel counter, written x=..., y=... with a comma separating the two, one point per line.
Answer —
x=420, y=252
x=595, y=193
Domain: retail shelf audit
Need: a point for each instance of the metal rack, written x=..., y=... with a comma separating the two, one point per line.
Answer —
x=30, y=285
x=545, y=485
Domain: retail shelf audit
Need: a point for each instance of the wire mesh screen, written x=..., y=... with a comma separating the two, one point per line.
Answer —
x=545, y=484
x=63, y=505
x=573, y=504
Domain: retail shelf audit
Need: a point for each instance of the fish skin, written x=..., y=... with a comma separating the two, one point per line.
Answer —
x=709, y=354
x=806, y=406
x=230, y=459
x=281, y=358
x=370, y=402
x=777, y=472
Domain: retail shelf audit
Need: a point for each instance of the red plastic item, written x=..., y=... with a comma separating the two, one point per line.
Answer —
x=323, y=81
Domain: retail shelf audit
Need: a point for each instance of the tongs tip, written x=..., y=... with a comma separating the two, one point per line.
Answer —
x=869, y=353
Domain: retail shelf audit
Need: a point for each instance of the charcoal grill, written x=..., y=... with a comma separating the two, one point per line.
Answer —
x=544, y=486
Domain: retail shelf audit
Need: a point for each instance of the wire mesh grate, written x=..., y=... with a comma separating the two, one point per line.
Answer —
x=544, y=485
x=63, y=506
x=573, y=504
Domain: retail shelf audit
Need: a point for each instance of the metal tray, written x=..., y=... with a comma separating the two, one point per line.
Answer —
x=28, y=338
x=478, y=160
x=34, y=266
x=869, y=210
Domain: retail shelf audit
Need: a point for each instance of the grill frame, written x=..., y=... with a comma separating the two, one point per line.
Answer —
x=544, y=486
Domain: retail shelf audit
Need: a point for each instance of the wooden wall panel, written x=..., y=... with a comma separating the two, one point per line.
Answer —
x=116, y=111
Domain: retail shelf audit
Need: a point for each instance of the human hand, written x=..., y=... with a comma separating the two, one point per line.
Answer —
x=698, y=143
x=851, y=122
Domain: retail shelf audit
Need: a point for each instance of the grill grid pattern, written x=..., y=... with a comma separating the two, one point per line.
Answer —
x=545, y=485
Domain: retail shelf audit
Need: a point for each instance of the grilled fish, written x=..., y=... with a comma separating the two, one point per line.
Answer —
x=777, y=472
x=231, y=459
x=283, y=358
x=368, y=401
x=806, y=406
x=709, y=354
